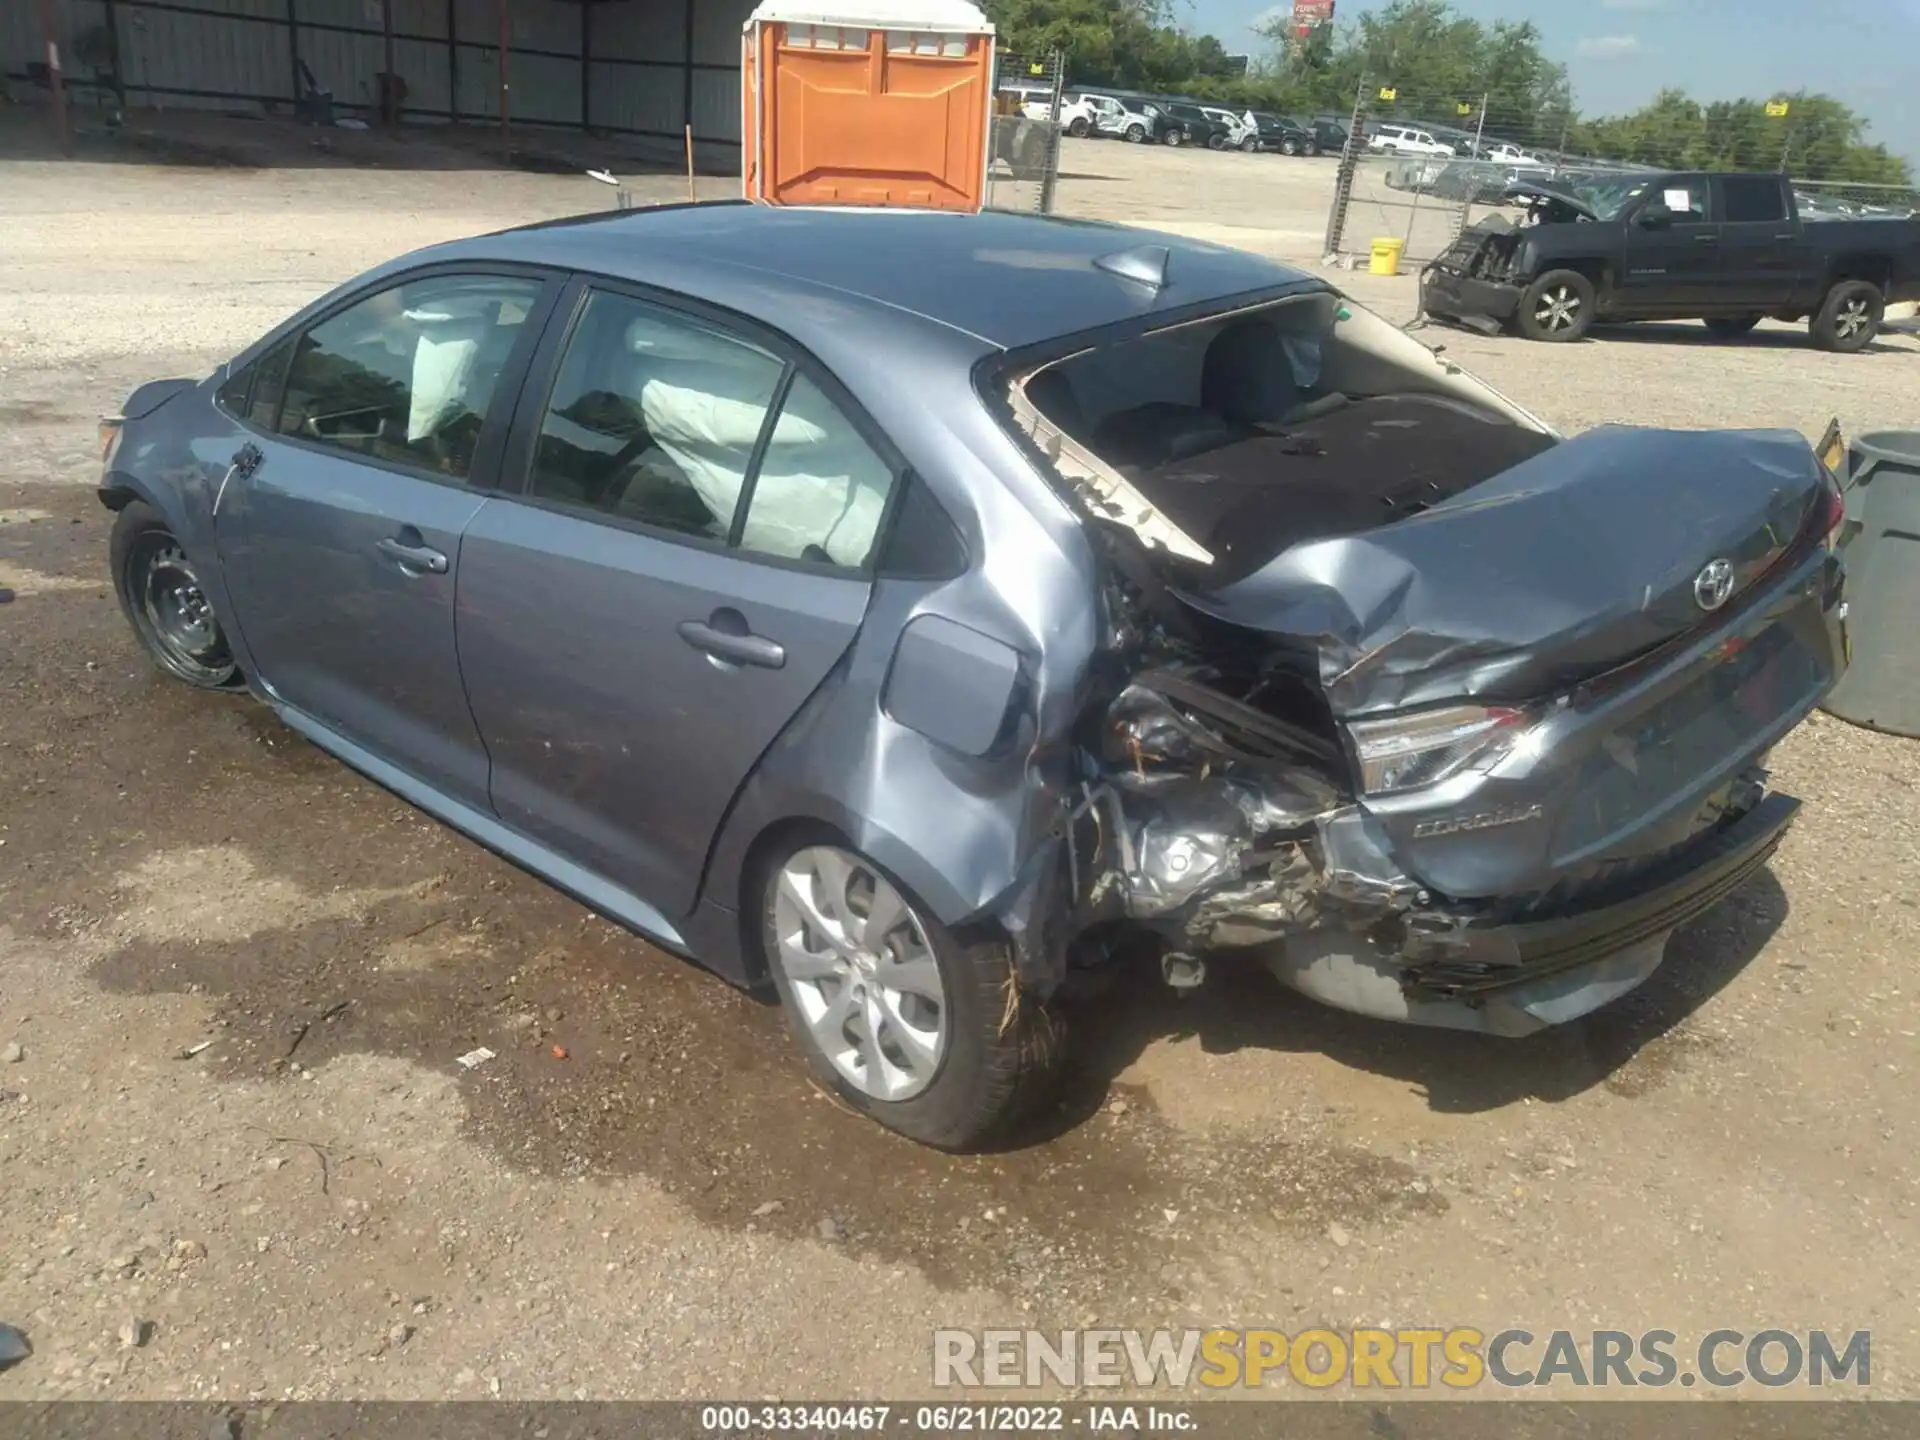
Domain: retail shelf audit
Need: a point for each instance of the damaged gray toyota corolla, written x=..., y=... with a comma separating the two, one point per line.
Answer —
x=891, y=607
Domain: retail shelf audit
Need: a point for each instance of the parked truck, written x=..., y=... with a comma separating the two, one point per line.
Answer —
x=1728, y=249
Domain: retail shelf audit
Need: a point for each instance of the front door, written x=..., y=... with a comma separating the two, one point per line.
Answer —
x=1672, y=250
x=687, y=564
x=341, y=533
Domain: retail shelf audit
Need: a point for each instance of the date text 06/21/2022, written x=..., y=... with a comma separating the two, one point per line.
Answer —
x=948, y=1419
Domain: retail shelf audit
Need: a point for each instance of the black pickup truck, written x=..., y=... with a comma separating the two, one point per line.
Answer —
x=1731, y=250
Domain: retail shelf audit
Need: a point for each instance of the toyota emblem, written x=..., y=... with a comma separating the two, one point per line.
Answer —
x=1713, y=586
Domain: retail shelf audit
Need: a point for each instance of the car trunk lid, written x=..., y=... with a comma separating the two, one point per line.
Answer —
x=1601, y=549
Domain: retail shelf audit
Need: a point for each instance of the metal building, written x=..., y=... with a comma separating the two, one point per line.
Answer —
x=641, y=68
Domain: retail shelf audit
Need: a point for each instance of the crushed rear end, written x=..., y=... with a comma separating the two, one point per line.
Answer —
x=1471, y=747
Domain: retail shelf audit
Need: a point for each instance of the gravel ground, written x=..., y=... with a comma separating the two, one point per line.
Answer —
x=321, y=1203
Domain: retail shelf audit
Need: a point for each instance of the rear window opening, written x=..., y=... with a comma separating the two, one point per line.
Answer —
x=1227, y=440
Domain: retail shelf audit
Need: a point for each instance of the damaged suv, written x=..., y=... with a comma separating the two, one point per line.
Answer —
x=894, y=608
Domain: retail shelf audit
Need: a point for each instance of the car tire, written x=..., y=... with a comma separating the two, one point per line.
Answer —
x=1556, y=308
x=995, y=1049
x=162, y=596
x=1289, y=146
x=1730, y=327
x=1250, y=144
x=1136, y=133
x=1173, y=137
x=1313, y=149
x=1216, y=142
x=1078, y=127
x=1850, y=318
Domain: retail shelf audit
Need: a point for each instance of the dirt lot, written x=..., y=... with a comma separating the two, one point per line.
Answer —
x=321, y=1203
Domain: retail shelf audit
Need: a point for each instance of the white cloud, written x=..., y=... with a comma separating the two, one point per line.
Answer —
x=1609, y=47
x=1271, y=16
x=1631, y=4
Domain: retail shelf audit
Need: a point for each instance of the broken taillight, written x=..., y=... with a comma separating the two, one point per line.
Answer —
x=1833, y=516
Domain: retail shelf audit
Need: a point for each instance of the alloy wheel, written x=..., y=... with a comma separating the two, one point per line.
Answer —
x=1558, y=309
x=861, y=972
x=1853, y=316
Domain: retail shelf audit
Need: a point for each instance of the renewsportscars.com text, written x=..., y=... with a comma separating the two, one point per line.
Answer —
x=1379, y=1359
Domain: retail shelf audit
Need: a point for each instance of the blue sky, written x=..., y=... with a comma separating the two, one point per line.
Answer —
x=1621, y=52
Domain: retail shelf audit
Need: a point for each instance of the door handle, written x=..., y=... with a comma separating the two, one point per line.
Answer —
x=415, y=559
x=741, y=649
x=1706, y=239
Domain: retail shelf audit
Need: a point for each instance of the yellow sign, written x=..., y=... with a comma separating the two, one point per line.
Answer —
x=1832, y=448
x=1387, y=92
x=1777, y=108
x=1462, y=108
x=1036, y=68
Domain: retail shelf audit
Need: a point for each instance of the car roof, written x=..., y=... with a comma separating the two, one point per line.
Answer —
x=1008, y=280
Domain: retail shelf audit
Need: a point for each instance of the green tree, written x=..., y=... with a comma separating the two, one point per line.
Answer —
x=1444, y=67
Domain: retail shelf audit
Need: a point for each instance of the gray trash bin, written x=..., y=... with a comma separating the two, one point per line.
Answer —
x=1881, y=545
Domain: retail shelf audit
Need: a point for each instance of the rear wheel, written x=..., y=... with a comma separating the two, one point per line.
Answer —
x=1731, y=327
x=1173, y=137
x=161, y=593
x=1216, y=141
x=1078, y=127
x=1313, y=148
x=909, y=1024
x=1850, y=318
x=1558, y=307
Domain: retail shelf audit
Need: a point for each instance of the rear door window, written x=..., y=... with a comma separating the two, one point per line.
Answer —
x=821, y=490
x=656, y=418
x=1752, y=200
x=669, y=420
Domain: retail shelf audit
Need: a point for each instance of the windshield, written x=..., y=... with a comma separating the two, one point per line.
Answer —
x=1607, y=198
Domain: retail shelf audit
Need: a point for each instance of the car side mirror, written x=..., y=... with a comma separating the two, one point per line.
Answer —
x=1656, y=217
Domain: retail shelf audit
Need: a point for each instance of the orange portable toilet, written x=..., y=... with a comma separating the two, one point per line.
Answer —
x=867, y=102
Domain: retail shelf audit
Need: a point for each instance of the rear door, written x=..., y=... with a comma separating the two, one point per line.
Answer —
x=686, y=562
x=1671, y=250
x=1761, y=252
x=375, y=432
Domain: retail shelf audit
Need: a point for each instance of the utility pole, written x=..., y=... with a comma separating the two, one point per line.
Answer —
x=506, y=126
x=1480, y=131
x=56, y=80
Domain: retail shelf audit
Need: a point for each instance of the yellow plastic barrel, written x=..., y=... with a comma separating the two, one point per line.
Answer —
x=1386, y=257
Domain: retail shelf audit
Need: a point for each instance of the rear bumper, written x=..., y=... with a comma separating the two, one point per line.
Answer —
x=1518, y=978
x=1445, y=293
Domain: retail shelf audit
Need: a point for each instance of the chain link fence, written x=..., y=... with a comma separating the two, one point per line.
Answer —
x=1420, y=169
x=1023, y=154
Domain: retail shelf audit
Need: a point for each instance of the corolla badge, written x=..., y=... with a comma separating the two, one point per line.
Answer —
x=1713, y=586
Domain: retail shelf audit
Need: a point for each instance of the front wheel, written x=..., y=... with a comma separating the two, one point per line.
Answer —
x=1250, y=144
x=1136, y=133
x=1289, y=146
x=909, y=1025
x=1850, y=318
x=1730, y=327
x=162, y=596
x=1558, y=307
